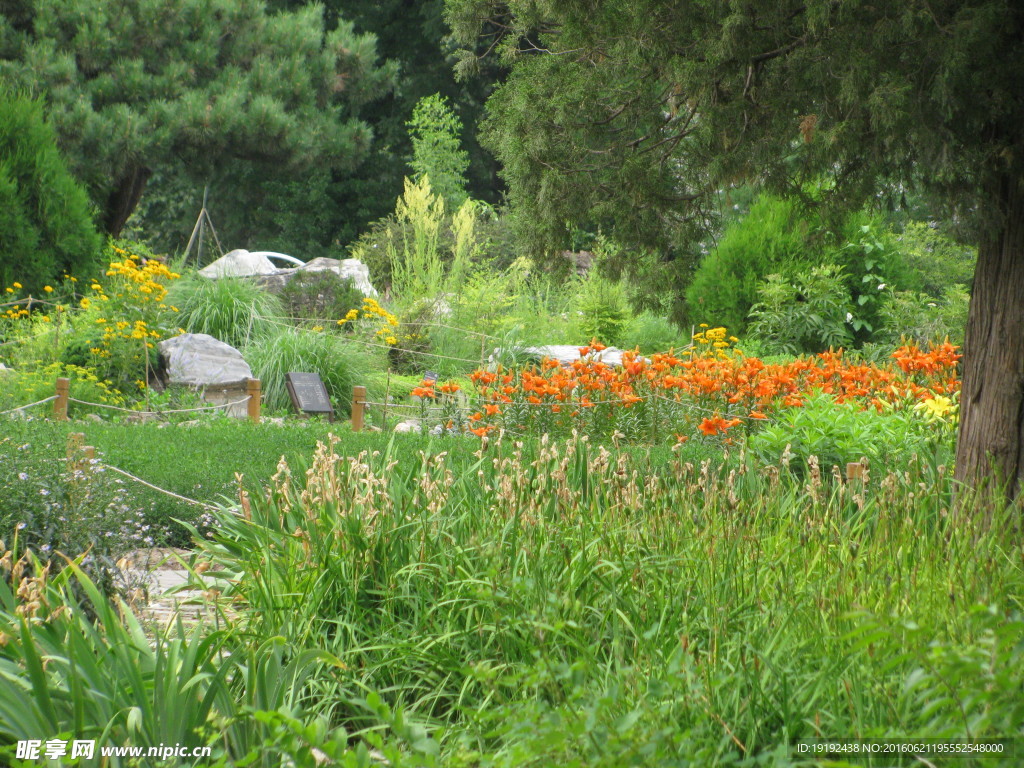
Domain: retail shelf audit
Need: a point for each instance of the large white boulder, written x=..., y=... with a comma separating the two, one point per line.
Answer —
x=239, y=263
x=565, y=354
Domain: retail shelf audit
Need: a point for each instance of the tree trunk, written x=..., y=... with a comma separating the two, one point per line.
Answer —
x=991, y=436
x=124, y=198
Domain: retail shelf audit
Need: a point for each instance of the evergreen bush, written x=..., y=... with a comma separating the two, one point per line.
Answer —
x=774, y=237
x=46, y=226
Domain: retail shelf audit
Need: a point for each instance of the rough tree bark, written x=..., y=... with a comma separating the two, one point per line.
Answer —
x=992, y=400
x=124, y=198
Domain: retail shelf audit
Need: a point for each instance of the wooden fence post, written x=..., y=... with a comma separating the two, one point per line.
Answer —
x=854, y=471
x=60, y=405
x=358, y=408
x=252, y=389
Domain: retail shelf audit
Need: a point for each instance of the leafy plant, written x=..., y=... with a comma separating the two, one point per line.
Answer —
x=935, y=261
x=923, y=318
x=46, y=225
x=56, y=507
x=808, y=313
x=776, y=236
x=841, y=433
x=603, y=309
x=434, y=130
x=21, y=387
x=321, y=296
x=652, y=333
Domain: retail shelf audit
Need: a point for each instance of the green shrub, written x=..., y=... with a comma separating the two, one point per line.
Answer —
x=46, y=226
x=320, y=296
x=775, y=236
x=935, y=261
x=603, y=310
x=923, y=318
x=434, y=130
x=52, y=508
x=340, y=363
x=873, y=265
x=423, y=249
x=234, y=310
x=652, y=333
x=807, y=314
x=784, y=236
x=20, y=387
x=841, y=433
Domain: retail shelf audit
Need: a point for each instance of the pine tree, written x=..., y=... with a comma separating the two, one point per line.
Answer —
x=46, y=226
x=200, y=85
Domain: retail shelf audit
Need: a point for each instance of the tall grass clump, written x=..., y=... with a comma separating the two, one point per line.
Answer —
x=234, y=310
x=341, y=364
x=553, y=605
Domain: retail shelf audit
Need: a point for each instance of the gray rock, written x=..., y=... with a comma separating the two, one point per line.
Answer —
x=239, y=263
x=407, y=426
x=199, y=360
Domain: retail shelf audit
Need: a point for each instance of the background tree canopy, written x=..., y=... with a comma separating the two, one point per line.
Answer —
x=199, y=87
x=631, y=111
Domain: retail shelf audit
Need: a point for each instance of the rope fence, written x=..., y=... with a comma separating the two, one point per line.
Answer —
x=431, y=408
x=186, y=499
x=160, y=413
x=49, y=399
x=62, y=398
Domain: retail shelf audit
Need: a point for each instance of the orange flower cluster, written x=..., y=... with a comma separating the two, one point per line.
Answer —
x=722, y=390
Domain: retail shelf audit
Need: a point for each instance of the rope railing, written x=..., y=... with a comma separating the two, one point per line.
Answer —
x=159, y=413
x=327, y=321
x=377, y=345
x=30, y=300
x=186, y=499
x=49, y=399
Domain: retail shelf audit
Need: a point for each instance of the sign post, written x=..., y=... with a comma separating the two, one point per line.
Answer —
x=308, y=394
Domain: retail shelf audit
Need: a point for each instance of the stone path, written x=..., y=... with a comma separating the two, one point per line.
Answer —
x=163, y=573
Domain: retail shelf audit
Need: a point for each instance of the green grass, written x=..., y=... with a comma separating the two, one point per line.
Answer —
x=548, y=604
x=201, y=461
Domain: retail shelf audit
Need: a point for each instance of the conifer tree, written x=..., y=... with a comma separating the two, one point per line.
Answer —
x=46, y=226
x=137, y=85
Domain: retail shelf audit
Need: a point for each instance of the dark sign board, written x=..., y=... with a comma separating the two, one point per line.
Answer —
x=430, y=376
x=308, y=393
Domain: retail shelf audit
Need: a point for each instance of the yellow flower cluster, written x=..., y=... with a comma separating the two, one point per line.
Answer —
x=146, y=279
x=120, y=329
x=712, y=341
x=372, y=309
x=939, y=409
